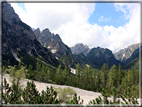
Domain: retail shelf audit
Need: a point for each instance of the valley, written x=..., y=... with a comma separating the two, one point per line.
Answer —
x=42, y=56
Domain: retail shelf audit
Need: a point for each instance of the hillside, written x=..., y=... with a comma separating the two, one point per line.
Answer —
x=133, y=60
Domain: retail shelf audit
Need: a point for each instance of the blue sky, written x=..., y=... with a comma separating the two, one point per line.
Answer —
x=22, y=5
x=108, y=15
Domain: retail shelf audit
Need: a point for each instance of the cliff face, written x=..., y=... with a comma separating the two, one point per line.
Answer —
x=125, y=54
x=133, y=61
x=52, y=42
x=18, y=37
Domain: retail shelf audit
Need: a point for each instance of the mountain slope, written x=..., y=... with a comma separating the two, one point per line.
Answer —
x=126, y=53
x=19, y=41
x=85, y=60
x=54, y=43
x=133, y=60
x=80, y=48
x=100, y=56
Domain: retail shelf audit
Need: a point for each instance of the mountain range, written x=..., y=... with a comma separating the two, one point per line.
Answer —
x=123, y=56
x=20, y=40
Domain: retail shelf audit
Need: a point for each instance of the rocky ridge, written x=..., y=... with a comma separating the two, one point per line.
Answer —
x=126, y=53
x=80, y=48
x=55, y=44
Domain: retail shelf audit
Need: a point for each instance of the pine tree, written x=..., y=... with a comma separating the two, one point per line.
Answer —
x=133, y=77
x=94, y=79
x=78, y=74
x=10, y=94
x=48, y=74
x=65, y=72
x=58, y=74
x=104, y=75
x=113, y=77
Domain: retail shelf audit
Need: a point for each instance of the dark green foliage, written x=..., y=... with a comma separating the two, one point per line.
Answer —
x=128, y=95
x=68, y=60
x=11, y=94
x=76, y=100
x=104, y=93
x=88, y=78
x=34, y=53
x=49, y=96
x=134, y=64
x=129, y=98
x=30, y=94
x=27, y=59
x=83, y=59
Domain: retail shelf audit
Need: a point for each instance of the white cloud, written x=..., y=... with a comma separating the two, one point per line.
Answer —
x=102, y=18
x=54, y=15
x=70, y=21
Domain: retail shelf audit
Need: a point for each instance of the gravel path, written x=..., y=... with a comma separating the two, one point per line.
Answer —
x=84, y=94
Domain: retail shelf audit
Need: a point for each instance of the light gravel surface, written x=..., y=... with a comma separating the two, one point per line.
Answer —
x=84, y=94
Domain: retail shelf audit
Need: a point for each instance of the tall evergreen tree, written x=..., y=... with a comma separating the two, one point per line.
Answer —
x=78, y=74
x=104, y=75
x=113, y=77
x=58, y=74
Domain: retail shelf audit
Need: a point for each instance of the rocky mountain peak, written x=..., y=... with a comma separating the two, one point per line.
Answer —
x=57, y=37
x=124, y=54
x=52, y=41
x=19, y=39
x=9, y=14
x=37, y=32
x=45, y=30
x=46, y=33
x=11, y=19
x=80, y=48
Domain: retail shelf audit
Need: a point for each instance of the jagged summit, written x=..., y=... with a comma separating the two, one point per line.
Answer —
x=20, y=41
x=80, y=48
x=55, y=44
x=9, y=14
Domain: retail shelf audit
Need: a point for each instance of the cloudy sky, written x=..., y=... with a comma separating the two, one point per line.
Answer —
x=108, y=25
